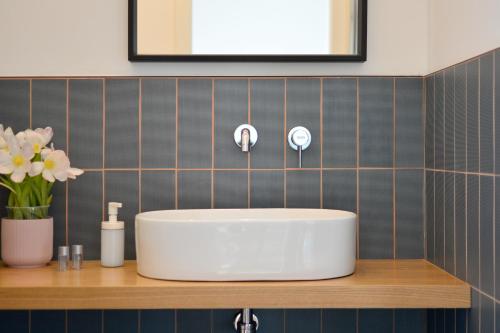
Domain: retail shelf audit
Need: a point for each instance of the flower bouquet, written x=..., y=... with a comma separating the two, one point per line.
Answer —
x=29, y=166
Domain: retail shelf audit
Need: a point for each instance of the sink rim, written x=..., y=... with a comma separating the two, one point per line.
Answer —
x=235, y=215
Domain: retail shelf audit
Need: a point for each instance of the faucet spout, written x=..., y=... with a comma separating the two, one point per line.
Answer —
x=245, y=140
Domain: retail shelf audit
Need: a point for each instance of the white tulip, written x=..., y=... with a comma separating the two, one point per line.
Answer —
x=55, y=165
x=16, y=158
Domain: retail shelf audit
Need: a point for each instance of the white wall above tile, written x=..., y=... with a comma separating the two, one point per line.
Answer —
x=60, y=37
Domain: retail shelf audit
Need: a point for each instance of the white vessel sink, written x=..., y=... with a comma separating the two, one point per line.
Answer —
x=245, y=244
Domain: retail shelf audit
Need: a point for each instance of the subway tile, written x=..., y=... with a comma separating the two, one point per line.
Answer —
x=473, y=230
x=449, y=320
x=497, y=111
x=497, y=238
x=376, y=122
x=85, y=123
x=409, y=132
x=474, y=313
x=439, y=121
x=449, y=119
x=193, y=321
x=440, y=321
x=267, y=116
x=48, y=321
x=303, y=109
x=410, y=321
x=487, y=314
x=429, y=121
x=123, y=186
x=122, y=123
x=120, y=321
x=460, y=117
x=271, y=320
x=339, y=320
x=303, y=189
x=339, y=122
x=14, y=321
x=158, y=110
x=429, y=214
x=375, y=321
x=49, y=103
x=449, y=222
x=486, y=153
x=231, y=110
x=15, y=104
x=49, y=108
x=267, y=189
x=409, y=209
x=303, y=320
x=439, y=236
x=339, y=190
x=472, y=134
x=222, y=320
x=85, y=213
x=461, y=320
x=231, y=189
x=85, y=321
x=157, y=190
x=431, y=321
x=375, y=215
x=460, y=227
x=486, y=235
x=194, y=127
x=194, y=189
x=157, y=321
x=58, y=212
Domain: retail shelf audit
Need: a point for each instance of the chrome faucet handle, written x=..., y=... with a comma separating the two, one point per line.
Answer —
x=245, y=137
x=299, y=138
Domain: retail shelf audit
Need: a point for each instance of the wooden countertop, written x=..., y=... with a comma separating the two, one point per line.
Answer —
x=376, y=284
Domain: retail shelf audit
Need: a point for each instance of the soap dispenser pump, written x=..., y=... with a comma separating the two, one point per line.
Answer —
x=112, y=238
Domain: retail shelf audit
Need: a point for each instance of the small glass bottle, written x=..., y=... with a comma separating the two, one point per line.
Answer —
x=63, y=258
x=76, y=256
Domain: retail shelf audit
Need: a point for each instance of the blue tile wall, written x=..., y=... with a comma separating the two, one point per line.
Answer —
x=461, y=215
x=166, y=143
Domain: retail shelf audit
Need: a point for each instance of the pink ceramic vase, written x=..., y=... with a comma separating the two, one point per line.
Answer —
x=27, y=243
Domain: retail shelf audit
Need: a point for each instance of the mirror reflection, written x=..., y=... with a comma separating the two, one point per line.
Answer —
x=247, y=27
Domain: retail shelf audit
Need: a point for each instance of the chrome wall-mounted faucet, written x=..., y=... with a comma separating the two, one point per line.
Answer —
x=299, y=138
x=245, y=137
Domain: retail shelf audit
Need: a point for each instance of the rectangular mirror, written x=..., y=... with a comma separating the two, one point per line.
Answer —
x=247, y=30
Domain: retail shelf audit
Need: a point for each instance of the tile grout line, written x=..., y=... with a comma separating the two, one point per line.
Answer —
x=212, y=176
x=424, y=187
x=466, y=179
x=494, y=188
x=454, y=178
x=357, y=172
x=285, y=88
x=139, y=148
x=103, y=149
x=445, y=167
x=30, y=110
x=277, y=169
x=479, y=180
x=394, y=240
x=434, y=165
x=321, y=111
x=66, y=185
x=249, y=153
x=176, y=172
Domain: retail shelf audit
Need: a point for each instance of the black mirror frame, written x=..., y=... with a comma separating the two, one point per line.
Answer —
x=134, y=57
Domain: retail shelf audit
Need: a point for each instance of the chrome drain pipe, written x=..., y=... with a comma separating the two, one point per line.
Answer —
x=246, y=321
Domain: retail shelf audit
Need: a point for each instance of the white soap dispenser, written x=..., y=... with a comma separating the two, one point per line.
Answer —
x=112, y=238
